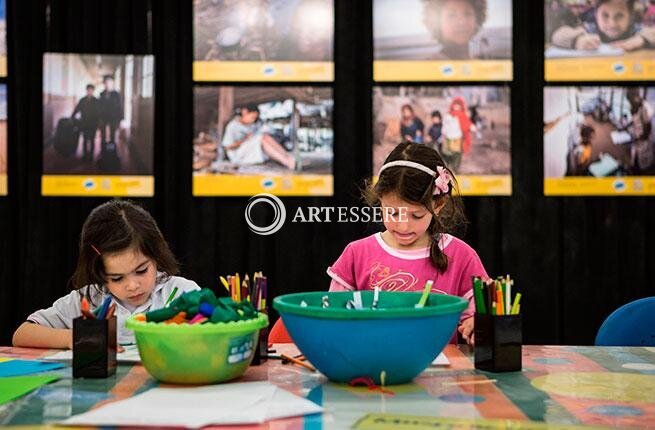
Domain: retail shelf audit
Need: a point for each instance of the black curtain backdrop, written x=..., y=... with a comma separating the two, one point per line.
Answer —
x=575, y=259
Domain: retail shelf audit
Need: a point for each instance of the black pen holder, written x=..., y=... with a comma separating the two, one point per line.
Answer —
x=498, y=340
x=94, y=347
x=261, y=349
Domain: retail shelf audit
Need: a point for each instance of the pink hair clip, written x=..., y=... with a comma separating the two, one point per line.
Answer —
x=443, y=181
x=95, y=249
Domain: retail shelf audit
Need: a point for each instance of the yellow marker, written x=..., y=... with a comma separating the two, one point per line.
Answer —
x=516, y=306
x=225, y=284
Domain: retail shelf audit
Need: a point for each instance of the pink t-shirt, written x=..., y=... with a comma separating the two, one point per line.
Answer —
x=371, y=262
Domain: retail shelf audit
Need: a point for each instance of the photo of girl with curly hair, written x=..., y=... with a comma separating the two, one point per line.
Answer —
x=442, y=29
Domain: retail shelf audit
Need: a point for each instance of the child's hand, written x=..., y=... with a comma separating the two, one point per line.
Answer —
x=587, y=42
x=466, y=330
x=630, y=44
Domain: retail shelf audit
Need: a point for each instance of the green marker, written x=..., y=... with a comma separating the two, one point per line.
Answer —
x=170, y=297
x=426, y=292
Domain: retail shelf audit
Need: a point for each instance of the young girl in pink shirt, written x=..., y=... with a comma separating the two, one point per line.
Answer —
x=420, y=205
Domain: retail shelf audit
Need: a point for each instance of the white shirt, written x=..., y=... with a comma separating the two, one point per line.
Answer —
x=65, y=309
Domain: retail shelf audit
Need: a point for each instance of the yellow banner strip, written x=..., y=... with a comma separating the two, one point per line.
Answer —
x=456, y=70
x=615, y=186
x=274, y=71
x=599, y=69
x=249, y=185
x=95, y=185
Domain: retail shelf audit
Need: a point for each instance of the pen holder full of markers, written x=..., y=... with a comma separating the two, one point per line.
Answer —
x=254, y=290
x=94, y=342
x=498, y=326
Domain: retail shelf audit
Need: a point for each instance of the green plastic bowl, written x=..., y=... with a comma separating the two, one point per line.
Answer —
x=197, y=353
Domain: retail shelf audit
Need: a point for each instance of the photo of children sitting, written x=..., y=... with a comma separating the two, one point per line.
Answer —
x=600, y=131
x=580, y=28
x=468, y=126
x=263, y=130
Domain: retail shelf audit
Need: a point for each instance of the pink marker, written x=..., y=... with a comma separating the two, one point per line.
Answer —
x=198, y=319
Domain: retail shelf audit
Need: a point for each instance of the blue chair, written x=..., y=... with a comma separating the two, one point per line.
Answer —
x=632, y=324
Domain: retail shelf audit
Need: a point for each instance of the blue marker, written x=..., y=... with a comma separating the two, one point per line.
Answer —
x=104, y=307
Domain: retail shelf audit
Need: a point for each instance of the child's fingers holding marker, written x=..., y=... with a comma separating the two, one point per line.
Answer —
x=466, y=330
x=587, y=42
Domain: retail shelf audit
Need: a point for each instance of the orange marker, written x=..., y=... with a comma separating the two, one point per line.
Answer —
x=177, y=319
x=298, y=362
x=86, y=309
x=499, y=302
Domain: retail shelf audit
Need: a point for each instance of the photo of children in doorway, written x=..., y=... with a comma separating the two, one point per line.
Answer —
x=252, y=133
x=469, y=126
x=98, y=113
x=599, y=133
x=244, y=40
x=460, y=32
x=599, y=33
x=3, y=139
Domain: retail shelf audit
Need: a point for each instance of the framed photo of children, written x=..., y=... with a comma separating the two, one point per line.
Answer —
x=599, y=40
x=263, y=40
x=469, y=126
x=599, y=141
x=3, y=38
x=3, y=139
x=98, y=114
x=442, y=40
x=253, y=139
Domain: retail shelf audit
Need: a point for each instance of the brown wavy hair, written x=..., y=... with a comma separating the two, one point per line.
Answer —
x=116, y=226
x=417, y=187
x=431, y=9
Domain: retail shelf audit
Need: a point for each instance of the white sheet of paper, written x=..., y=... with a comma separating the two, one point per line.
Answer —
x=238, y=403
x=130, y=355
x=441, y=360
x=603, y=167
x=604, y=50
x=620, y=137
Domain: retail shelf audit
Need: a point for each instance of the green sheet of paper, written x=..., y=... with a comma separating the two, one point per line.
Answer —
x=13, y=387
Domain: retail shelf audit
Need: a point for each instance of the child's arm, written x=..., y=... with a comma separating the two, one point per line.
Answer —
x=51, y=327
x=38, y=336
x=336, y=286
x=238, y=143
x=575, y=38
x=645, y=38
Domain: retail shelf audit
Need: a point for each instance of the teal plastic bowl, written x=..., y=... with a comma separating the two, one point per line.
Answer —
x=391, y=344
x=197, y=353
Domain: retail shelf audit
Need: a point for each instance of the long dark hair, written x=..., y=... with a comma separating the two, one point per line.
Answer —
x=116, y=226
x=417, y=187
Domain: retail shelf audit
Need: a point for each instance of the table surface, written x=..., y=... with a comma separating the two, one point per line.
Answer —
x=612, y=386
